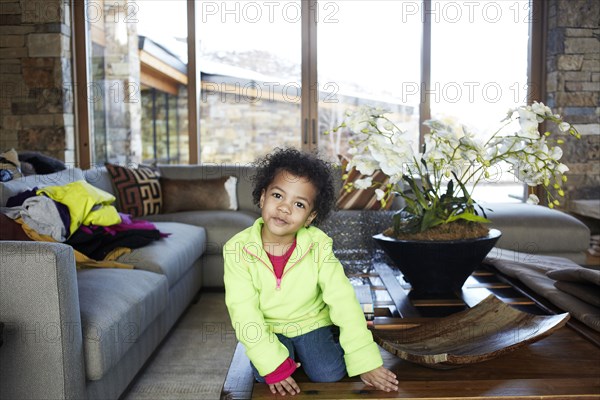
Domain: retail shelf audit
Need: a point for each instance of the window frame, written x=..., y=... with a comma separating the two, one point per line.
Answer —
x=309, y=107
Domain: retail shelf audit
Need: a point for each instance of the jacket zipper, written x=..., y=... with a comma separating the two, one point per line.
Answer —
x=278, y=280
x=285, y=271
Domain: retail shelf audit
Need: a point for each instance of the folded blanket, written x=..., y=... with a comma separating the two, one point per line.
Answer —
x=583, y=291
x=531, y=270
x=578, y=274
x=531, y=261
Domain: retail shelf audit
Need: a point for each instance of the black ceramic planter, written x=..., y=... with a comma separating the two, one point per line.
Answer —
x=437, y=267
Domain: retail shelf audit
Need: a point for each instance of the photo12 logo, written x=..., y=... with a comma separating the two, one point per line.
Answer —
x=267, y=11
x=470, y=92
x=467, y=11
x=40, y=10
x=253, y=92
x=117, y=11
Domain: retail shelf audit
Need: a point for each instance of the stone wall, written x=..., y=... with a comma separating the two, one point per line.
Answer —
x=36, y=81
x=36, y=108
x=573, y=87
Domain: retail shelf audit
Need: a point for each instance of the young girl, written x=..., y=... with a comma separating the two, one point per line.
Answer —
x=288, y=297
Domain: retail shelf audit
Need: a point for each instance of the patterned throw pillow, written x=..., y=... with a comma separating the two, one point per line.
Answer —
x=137, y=190
x=360, y=199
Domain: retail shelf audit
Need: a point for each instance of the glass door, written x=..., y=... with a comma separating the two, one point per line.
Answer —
x=137, y=80
x=368, y=53
x=479, y=59
x=162, y=47
x=249, y=57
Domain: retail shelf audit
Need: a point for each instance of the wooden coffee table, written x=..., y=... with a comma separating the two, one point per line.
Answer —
x=565, y=365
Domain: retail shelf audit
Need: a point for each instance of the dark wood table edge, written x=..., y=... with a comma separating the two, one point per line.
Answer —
x=236, y=385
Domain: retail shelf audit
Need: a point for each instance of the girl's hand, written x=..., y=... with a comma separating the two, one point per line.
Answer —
x=381, y=378
x=288, y=385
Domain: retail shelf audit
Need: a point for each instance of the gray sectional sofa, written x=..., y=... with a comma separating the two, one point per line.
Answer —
x=85, y=333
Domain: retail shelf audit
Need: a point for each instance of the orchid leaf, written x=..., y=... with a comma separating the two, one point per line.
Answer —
x=416, y=190
x=450, y=189
x=461, y=185
x=468, y=216
x=413, y=206
x=483, y=210
x=427, y=179
x=430, y=219
x=406, y=222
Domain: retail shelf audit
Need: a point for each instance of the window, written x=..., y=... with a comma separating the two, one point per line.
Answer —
x=375, y=65
x=478, y=71
x=250, y=66
x=463, y=61
x=164, y=135
x=281, y=73
x=137, y=81
x=164, y=98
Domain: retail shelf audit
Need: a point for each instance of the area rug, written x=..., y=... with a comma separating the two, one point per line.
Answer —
x=192, y=362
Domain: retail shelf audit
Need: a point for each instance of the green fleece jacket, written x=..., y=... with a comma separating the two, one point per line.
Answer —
x=313, y=292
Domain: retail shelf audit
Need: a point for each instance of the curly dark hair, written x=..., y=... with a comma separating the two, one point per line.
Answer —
x=304, y=165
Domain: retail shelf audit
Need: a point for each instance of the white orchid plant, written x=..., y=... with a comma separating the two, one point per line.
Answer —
x=437, y=183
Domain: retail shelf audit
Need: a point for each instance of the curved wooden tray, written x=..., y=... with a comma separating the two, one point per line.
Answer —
x=489, y=329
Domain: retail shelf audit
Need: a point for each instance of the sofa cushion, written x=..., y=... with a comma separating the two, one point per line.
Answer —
x=199, y=194
x=116, y=307
x=537, y=229
x=171, y=256
x=99, y=177
x=220, y=225
x=244, y=174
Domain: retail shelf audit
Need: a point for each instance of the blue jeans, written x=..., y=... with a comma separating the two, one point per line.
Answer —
x=320, y=353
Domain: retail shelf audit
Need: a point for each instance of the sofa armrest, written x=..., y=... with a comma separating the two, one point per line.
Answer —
x=42, y=354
